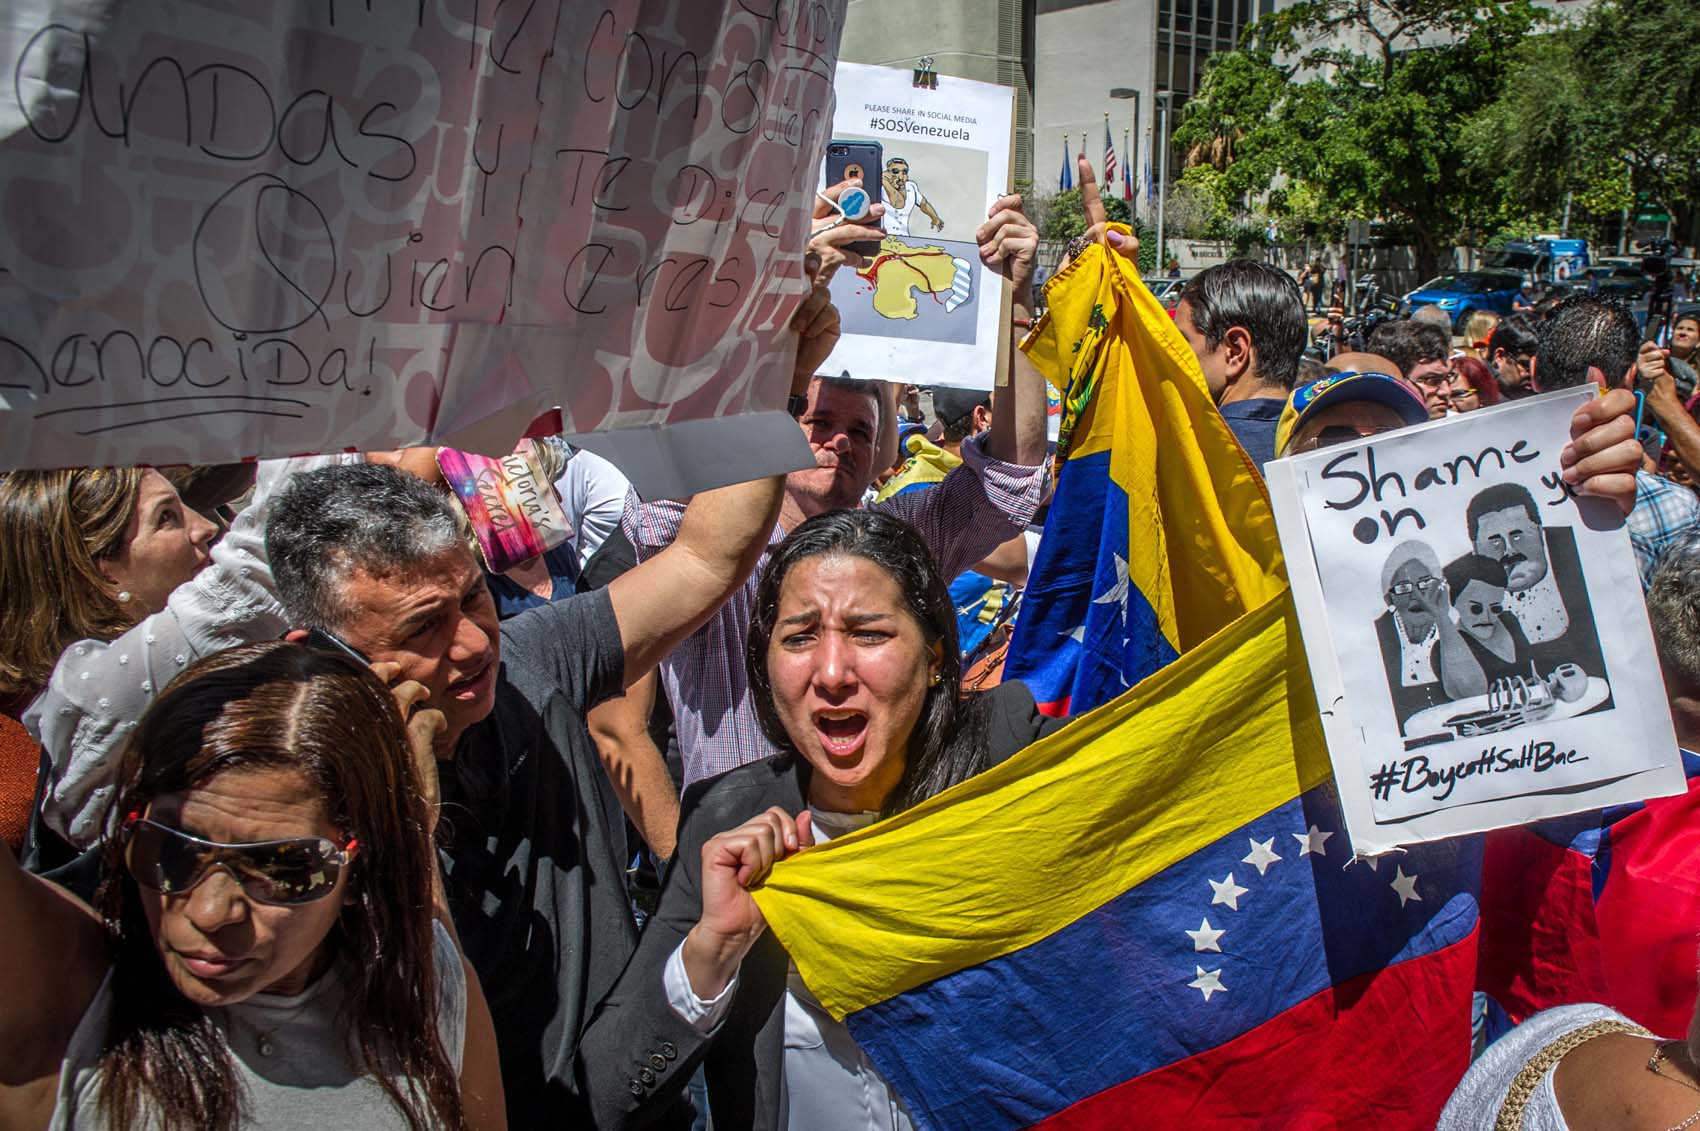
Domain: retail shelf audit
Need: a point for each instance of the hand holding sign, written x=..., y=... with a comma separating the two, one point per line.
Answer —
x=1008, y=242
x=1603, y=455
x=832, y=230
x=816, y=323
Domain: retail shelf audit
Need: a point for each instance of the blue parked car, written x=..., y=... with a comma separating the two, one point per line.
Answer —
x=1461, y=294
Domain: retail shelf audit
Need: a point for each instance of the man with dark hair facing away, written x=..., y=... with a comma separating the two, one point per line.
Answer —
x=1594, y=339
x=1245, y=321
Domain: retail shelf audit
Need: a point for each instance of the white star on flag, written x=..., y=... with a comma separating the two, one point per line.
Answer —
x=1076, y=634
x=1227, y=892
x=1117, y=593
x=1262, y=855
x=1314, y=842
x=1208, y=983
x=1205, y=938
x=1406, y=886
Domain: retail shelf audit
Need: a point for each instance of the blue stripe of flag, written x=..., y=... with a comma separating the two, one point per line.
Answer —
x=1108, y=998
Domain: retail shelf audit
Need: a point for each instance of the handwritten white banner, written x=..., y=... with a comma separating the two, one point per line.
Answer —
x=232, y=229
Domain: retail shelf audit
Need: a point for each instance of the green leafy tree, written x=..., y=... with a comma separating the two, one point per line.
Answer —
x=1363, y=104
x=1061, y=216
x=1064, y=217
x=1605, y=111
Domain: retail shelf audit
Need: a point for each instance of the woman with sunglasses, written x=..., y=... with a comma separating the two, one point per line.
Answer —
x=853, y=663
x=263, y=951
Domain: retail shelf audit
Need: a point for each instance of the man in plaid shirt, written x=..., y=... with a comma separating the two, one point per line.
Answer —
x=984, y=503
x=1589, y=338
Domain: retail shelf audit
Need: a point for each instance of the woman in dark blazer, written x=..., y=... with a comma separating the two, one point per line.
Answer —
x=854, y=667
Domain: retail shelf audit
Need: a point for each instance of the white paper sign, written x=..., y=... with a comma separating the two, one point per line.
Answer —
x=1475, y=630
x=254, y=229
x=925, y=310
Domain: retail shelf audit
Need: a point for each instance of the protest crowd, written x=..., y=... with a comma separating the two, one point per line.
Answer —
x=314, y=819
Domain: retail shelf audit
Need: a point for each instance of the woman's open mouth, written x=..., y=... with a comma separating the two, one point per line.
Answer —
x=841, y=732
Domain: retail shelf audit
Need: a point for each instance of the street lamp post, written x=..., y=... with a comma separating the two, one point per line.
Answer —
x=1161, y=99
x=1121, y=93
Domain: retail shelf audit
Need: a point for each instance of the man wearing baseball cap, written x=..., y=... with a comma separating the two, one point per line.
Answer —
x=1343, y=407
x=1601, y=459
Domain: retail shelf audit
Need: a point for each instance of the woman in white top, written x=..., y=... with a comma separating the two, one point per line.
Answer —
x=109, y=588
x=1579, y=1068
x=264, y=952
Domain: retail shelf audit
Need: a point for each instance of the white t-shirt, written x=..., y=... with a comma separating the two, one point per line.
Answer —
x=593, y=495
x=897, y=219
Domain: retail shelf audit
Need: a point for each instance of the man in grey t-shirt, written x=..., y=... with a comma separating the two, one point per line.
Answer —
x=532, y=862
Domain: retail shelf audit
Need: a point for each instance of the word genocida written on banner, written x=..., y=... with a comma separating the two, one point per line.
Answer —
x=240, y=230
x=1475, y=630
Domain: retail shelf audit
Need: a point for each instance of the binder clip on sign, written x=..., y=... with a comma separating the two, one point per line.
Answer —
x=925, y=77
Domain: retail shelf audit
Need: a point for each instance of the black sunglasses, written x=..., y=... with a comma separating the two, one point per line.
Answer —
x=285, y=872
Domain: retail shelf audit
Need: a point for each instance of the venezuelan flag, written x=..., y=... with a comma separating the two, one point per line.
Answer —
x=1599, y=907
x=1160, y=531
x=1148, y=919
x=926, y=466
x=1151, y=918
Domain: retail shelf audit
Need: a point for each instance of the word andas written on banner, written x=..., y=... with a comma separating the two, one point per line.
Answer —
x=252, y=230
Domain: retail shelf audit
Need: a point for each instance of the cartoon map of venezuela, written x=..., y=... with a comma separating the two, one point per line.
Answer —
x=900, y=273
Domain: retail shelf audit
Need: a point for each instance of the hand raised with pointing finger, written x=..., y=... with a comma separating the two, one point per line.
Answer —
x=1098, y=217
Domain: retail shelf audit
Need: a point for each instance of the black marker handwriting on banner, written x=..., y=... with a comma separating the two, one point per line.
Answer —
x=120, y=359
x=220, y=110
x=1417, y=774
x=1368, y=482
x=418, y=7
x=290, y=291
x=1356, y=473
x=1554, y=481
x=684, y=280
x=621, y=65
x=608, y=169
x=805, y=26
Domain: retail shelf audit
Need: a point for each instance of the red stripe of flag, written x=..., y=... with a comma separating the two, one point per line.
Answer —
x=1547, y=940
x=1382, y=1050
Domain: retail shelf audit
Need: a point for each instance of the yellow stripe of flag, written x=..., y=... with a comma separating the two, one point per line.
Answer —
x=1192, y=753
x=1203, y=544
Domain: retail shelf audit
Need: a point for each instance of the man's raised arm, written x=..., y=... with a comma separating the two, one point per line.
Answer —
x=723, y=532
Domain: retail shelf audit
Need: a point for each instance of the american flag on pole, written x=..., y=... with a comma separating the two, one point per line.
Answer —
x=1127, y=170
x=1109, y=154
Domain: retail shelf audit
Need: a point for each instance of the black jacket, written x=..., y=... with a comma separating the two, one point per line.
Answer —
x=637, y=1054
